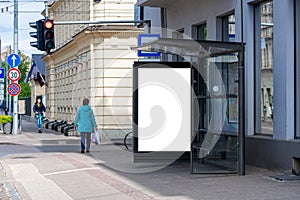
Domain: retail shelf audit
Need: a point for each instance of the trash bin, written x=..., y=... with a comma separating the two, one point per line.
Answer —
x=7, y=128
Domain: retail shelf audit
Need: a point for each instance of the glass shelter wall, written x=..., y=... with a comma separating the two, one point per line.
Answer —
x=215, y=144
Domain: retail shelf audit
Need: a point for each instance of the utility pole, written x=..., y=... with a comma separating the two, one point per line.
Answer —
x=1, y=62
x=8, y=98
x=46, y=9
x=1, y=54
x=16, y=49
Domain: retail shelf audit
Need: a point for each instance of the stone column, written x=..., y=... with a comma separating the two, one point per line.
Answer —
x=284, y=69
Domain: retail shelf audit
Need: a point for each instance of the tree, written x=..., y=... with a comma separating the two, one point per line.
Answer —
x=24, y=68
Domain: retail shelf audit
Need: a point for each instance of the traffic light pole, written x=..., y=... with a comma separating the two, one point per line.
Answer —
x=105, y=22
x=16, y=49
x=46, y=9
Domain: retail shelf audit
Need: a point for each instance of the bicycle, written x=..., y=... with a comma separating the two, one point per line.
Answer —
x=126, y=144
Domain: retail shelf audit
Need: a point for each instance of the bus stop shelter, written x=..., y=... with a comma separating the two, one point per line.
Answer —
x=192, y=108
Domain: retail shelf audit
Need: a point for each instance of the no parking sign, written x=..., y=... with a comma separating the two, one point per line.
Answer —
x=13, y=89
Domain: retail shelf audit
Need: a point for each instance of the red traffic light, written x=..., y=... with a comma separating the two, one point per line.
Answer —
x=48, y=24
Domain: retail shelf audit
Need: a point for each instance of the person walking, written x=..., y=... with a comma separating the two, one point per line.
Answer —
x=39, y=110
x=271, y=111
x=85, y=124
x=265, y=113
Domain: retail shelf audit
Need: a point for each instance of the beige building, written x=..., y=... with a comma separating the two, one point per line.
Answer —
x=37, y=80
x=92, y=61
x=5, y=52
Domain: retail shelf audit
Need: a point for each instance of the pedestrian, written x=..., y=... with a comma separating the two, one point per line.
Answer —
x=85, y=124
x=39, y=110
x=271, y=111
x=265, y=112
x=6, y=110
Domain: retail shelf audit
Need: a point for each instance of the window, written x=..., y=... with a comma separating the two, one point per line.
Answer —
x=199, y=32
x=228, y=28
x=264, y=68
x=138, y=12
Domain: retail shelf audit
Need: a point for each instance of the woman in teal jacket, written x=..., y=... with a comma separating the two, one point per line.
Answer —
x=86, y=124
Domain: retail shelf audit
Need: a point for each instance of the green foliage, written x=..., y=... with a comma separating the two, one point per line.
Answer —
x=24, y=68
x=25, y=89
x=205, y=33
x=5, y=119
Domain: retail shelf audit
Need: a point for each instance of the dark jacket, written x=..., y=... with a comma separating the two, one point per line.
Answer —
x=40, y=109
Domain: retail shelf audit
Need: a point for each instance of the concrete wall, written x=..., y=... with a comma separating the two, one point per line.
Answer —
x=154, y=15
x=111, y=78
x=112, y=10
x=269, y=153
x=184, y=15
x=284, y=70
x=79, y=11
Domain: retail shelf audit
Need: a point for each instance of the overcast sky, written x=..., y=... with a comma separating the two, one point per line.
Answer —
x=6, y=24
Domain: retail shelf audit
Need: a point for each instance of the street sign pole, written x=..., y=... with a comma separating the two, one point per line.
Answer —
x=16, y=49
x=2, y=96
x=0, y=54
x=2, y=75
x=8, y=97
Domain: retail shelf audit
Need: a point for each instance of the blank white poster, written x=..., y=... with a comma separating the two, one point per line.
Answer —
x=164, y=109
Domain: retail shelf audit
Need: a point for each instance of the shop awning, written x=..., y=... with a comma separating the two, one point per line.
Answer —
x=194, y=48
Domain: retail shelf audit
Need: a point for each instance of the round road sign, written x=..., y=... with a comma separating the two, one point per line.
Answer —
x=14, y=74
x=13, y=60
x=13, y=89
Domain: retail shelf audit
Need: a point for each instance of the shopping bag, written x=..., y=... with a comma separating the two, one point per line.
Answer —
x=96, y=137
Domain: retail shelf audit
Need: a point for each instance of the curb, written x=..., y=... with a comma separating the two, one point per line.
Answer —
x=7, y=190
x=3, y=192
x=11, y=191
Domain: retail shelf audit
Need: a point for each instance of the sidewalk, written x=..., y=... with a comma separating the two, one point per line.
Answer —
x=48, y=166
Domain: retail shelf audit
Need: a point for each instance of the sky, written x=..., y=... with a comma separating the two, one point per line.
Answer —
x=29, y=11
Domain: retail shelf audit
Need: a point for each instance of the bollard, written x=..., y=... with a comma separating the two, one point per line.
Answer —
x=296, y=166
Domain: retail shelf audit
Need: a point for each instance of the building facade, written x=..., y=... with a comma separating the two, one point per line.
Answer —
x=5, y=52
x=271, y=34
x=36, y=76
x=92, y=61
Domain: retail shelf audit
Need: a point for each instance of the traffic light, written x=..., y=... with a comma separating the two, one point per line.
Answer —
x=49, y=35
x=39, y=34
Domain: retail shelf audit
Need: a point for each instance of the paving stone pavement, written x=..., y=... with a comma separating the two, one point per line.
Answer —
x=3, y=193
x=41, y=166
